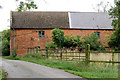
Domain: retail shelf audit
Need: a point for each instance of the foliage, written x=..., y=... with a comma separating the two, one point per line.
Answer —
x=102, y=6
x=114, y=12
x=51, y=45
x=28, y=5
x=58, y=37
x=72, y=41
x=35, y=55
x=14, y=53
x=6, y=42
x=12, y=58
x=64, y=41
x=115, y=40
x=93, y=41
x=2, y=74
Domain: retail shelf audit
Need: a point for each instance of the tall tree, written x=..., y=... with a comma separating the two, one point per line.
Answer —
x=114, y=12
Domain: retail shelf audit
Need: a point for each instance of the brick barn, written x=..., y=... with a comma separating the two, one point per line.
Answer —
x=33, y=29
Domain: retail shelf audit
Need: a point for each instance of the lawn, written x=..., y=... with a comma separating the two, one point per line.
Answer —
x=93, y=70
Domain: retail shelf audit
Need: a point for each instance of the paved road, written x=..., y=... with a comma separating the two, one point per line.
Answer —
x=22, y=69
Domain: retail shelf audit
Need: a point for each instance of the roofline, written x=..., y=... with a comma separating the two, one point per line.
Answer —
x=63, y=11
x=64, y=28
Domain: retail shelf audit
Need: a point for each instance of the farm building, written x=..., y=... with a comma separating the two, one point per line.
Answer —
x=33, y=29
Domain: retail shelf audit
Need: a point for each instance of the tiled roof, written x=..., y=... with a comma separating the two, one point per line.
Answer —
x=75, y=20
x=30, y=19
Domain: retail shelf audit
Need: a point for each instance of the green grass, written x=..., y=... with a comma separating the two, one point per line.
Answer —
x=9, y=57
x=2, y=74
x=94, y=70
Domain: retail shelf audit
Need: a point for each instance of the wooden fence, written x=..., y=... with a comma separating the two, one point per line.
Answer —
x=63, y=54
x=86, y=55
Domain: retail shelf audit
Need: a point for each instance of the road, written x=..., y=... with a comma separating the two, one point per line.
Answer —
x=22, y=69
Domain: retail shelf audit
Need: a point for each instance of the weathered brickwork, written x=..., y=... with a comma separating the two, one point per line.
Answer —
x=28, y=38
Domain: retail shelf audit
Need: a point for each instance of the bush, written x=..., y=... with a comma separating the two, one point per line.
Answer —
x=73, y=41
x=93, y=41
x=34, y=55
x=60, y=41
x=115, y=40
x=51, y=45
x=6, y=42
x=58, y=37
x=102, y=48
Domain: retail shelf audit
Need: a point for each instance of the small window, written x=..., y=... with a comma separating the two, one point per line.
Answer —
x=98, y=34
x=41, y=33
x=32, y=39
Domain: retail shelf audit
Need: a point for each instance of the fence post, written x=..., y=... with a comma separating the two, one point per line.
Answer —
x=87, y=53
x=113, y=57
x=46, y=52
x=61, y=54
x=36, y=49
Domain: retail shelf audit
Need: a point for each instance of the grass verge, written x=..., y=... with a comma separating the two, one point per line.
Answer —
x=93, y=70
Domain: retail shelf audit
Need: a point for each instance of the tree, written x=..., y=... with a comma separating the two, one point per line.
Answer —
x=27, y=5
x=102, y=6
x=72, y=41
x=61, y=41
x=115, y=40
x=93, y=41
x=58, y=37
x=6, y=42
x=114, y=12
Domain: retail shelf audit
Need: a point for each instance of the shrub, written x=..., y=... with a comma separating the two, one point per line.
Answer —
x=101, y=48
x=73, y=41
x=93, y=41
x=60, y=41
x=6, y=42
x=34, y=55
x=58, y=37
x=51, y=45
x=115, y=40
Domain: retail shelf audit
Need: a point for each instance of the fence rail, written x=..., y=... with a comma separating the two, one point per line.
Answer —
x=83, y=55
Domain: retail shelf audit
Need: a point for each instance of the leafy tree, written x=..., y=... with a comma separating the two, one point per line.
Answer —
x=28, y=5
x=115, y=40
x=113, y=12
x=58, y=37
x=93, y=41
x=6, y=42
x=115, y=37
x=64, y=41
x=72, y=41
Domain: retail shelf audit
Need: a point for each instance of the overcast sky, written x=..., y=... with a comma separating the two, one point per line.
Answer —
x=48, y=5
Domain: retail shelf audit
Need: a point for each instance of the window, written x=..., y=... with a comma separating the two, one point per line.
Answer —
x=41, y=33
x=98, y=34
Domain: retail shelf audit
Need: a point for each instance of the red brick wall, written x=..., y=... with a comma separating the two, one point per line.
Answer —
x=23, y=39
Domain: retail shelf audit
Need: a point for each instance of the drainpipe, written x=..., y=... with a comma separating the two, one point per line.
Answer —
x=13, y=41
